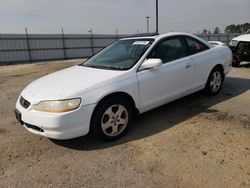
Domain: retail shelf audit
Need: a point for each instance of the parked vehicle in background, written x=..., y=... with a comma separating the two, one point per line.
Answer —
x=129, y=77
x=215, y=43
x=240, y=47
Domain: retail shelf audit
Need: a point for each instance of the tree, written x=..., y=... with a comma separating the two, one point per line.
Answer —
x=245, y=27
x=240, y=28
x=217, y=30
x=204, y=31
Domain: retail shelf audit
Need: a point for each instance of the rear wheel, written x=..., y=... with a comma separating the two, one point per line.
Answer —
x=111, y=118
x=214, y=81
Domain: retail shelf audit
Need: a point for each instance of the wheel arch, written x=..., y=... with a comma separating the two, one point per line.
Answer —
x=118, y=94
x=219, y=67
x=207, y=88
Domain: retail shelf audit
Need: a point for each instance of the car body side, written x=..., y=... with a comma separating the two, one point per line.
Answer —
x=203, y=63
x=129, y=83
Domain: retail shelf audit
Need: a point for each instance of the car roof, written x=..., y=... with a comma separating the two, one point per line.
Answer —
x=170, y=34
x=157, y=36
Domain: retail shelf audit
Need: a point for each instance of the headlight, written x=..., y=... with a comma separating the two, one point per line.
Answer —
x=234, y=43
x=58, y=106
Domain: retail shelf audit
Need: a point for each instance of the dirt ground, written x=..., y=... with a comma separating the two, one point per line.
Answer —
x=197, y=141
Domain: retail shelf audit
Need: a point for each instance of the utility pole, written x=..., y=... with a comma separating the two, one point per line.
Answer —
x=116, y=34
x=63, y=43
x=157, y=26
x=28, y=44
x=92, y=41
x=147, y=17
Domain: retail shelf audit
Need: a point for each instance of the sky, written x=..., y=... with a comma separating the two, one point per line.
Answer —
x=127, y=16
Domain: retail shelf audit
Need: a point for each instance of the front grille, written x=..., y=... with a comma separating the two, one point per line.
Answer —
x=244, y=48
x=24, y=103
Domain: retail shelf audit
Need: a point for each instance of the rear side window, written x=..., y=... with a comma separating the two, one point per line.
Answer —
x=169, y=50
x=195, y=46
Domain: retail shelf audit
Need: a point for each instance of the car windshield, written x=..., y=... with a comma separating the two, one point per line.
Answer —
x=121, y=55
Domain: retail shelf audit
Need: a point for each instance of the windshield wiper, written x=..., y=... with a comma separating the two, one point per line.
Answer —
x=119, y=68
x=104, y=67
x=93, y=66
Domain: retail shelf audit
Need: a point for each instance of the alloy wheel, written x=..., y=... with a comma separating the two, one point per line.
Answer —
x=114, y=120
x=215, y=82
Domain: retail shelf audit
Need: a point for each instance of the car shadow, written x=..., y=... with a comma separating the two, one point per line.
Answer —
x=164, y=117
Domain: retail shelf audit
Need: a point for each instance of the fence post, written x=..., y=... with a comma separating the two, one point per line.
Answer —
x=63, y=42
x=28, y=44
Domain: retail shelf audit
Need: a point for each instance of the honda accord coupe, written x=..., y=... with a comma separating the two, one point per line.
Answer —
x=127, y=78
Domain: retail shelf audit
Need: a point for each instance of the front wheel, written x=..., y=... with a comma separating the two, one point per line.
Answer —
x=111, y=118
x=214, y=82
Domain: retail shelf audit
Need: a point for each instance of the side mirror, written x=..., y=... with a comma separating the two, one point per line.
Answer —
x=151, y=63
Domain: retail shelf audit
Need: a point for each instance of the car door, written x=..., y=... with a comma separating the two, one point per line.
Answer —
x=170, y=81
x=201, y=57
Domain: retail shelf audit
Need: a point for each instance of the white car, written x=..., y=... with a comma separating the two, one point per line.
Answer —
x=215, y=43
x=129, y=77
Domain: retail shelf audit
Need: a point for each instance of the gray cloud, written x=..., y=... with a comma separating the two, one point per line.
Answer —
x=77, y=16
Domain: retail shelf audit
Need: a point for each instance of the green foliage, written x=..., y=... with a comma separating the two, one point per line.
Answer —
x=205, y=31
x=240, y=28
x=217, y=30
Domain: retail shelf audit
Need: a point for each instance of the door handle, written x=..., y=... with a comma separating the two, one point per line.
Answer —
x=188, y=66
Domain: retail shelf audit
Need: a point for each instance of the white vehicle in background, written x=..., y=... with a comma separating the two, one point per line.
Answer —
x=217, y=43
x=129, y=77
x=240, y=47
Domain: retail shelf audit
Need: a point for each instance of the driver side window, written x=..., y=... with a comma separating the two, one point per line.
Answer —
x=169, y=50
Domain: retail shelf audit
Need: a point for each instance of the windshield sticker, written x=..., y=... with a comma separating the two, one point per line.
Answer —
x=141, y=43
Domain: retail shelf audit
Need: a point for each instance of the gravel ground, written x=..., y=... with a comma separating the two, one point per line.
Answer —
x=197, y=141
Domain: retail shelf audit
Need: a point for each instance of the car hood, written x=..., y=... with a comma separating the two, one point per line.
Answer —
x=245, y=37
x=68, y=83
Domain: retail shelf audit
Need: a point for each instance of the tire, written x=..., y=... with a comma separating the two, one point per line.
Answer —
x=111, y=118
x=214, y=82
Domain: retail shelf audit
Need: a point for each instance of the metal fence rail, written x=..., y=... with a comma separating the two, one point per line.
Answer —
x=19, y=48
x=15, y=48
x=226, y=38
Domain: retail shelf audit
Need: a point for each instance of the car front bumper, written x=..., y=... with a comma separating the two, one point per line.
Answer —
x=242, y=51
x=58, y=126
